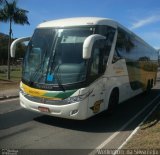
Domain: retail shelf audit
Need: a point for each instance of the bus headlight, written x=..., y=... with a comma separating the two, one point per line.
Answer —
x=22, y=91
x=77, y=98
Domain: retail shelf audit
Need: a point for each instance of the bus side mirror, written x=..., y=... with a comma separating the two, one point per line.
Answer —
x=15, y=42
x=88, y=44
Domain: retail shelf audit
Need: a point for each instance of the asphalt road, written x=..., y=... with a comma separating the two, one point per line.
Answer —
x=22, y=129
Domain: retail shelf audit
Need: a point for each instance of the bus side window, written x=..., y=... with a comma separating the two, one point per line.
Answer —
x=116, y=56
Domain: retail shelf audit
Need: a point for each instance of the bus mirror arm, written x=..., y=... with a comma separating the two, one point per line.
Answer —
x=88, y=44
x=15, y=42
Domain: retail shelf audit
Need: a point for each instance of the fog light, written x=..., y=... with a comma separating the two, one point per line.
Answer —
x=73, y=112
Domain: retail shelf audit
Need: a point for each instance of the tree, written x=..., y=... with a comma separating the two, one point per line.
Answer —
x=1, y=1
x=12, y=14
x=20, y=50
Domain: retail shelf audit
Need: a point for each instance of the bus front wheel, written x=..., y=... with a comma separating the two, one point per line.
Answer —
x=113, y=100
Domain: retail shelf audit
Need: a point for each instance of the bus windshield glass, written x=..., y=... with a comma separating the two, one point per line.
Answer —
x=54, y=56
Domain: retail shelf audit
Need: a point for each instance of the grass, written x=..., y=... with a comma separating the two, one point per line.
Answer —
x=148, y=136
x=15, y=73
x=15, y=77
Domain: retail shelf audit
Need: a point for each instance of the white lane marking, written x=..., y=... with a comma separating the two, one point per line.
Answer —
x=7, y=106
x=136, y=129
x=7, y=111
x=122, y=128
x=9, y=100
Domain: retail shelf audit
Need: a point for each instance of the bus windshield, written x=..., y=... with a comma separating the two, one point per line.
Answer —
x=54, y=56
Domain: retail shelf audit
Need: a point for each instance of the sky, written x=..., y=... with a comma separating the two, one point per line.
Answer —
x=140, y=16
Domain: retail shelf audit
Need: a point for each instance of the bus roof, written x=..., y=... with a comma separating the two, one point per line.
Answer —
x=82, y=21
x=79, y=21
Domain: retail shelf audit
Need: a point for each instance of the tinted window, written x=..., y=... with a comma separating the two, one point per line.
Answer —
x=131, y=48
x=108, y=32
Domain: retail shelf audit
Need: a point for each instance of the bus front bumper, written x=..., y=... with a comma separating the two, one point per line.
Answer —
x=77, y=110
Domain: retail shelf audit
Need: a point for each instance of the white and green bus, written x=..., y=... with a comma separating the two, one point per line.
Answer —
x=78, y=67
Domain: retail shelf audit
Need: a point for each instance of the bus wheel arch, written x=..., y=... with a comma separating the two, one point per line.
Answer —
x=113, y=99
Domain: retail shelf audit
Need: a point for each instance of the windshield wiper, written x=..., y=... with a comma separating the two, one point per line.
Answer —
x=53, y=67
x=58, y=79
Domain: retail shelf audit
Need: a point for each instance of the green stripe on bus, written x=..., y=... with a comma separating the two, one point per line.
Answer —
x=61, y=95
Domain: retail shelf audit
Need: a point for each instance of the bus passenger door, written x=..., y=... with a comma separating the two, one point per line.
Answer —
x=97, y=68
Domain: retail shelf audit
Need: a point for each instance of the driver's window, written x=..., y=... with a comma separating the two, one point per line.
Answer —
x=98, y=60
x=95, y=62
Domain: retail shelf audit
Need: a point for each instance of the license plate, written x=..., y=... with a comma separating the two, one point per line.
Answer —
x=43, y=109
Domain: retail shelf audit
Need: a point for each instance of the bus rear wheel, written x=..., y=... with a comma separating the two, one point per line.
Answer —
x=149, y=86
x=152, y=83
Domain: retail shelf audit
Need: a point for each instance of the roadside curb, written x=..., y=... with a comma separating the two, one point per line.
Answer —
x=137, y=128
x=8, y=97
x=118, y=131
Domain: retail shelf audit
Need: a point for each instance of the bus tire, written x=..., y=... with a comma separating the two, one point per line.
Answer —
x=113, y=100
x=148, y=89
x=152, y=83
